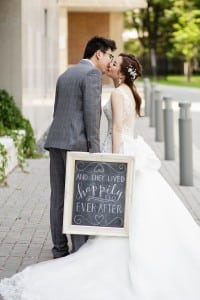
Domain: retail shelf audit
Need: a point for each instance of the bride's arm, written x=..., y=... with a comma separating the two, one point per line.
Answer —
x=117, y=120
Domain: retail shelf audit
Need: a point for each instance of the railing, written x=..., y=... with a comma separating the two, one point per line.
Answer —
x=159, y=109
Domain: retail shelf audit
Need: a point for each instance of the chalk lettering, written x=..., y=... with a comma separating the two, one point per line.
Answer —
x=80, y=176
x=100, y=208
x=96, y=177
x=99, y=194
x=116, y=179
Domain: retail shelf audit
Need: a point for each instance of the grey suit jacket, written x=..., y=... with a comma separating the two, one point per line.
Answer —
x=77, y=110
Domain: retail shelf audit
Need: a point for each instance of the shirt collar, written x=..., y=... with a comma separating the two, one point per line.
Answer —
x=89, y=61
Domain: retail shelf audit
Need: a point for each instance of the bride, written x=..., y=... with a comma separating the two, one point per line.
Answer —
x=160, y=260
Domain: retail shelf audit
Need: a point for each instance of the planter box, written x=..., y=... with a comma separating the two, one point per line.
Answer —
x=9, y=145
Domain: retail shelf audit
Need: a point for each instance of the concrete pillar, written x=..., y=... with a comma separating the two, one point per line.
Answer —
x=63, y=39
x=168, y=129
x=147, y=94
x=159, y=131
x=185, y=144
x=152, y=105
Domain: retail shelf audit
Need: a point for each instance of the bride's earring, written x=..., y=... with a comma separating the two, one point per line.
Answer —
x=120, y=81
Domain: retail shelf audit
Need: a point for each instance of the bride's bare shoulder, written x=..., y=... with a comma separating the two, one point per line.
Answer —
x=116, y=92
x=116, y=95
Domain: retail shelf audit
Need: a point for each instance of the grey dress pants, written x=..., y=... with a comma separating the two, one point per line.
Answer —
x=57, y=182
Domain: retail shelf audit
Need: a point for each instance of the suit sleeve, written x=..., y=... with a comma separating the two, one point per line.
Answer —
x=92, y=108
x=56, y=100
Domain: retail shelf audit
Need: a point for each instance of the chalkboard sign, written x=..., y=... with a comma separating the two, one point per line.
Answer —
x=98, y=191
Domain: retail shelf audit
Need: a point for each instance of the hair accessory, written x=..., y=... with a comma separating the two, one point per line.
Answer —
x=132, y=71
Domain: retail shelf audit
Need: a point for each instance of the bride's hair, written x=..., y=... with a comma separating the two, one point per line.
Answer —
x=132, y=69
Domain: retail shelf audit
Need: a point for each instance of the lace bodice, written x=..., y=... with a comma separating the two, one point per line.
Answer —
x=129, y=145
x=129, y=116
x=128, y=113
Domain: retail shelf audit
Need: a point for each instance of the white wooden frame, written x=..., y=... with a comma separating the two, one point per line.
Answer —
x=72, y=157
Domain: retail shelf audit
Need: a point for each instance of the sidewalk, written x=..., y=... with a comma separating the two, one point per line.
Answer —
x=24, y=207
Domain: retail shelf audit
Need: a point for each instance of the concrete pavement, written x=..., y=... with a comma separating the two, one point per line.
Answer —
x=24, y=206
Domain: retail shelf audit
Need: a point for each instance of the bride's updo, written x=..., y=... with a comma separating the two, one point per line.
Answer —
x=131, y=69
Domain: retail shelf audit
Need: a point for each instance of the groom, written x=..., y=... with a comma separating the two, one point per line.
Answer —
x=75, y=127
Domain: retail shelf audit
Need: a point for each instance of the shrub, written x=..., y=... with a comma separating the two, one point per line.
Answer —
x=12, y=119
x=11, y=122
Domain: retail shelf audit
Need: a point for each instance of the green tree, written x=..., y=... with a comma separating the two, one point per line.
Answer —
x=153, y=28
x=186, y=33
x=164, y=27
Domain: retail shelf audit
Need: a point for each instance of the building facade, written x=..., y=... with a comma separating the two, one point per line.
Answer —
x=41, y=38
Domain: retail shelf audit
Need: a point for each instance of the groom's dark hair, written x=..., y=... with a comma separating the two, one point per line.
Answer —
x=98, y=43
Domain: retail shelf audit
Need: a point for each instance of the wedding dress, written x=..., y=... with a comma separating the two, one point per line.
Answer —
x=160, y=260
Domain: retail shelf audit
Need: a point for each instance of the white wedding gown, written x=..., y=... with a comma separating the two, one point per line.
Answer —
x=160, y=260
